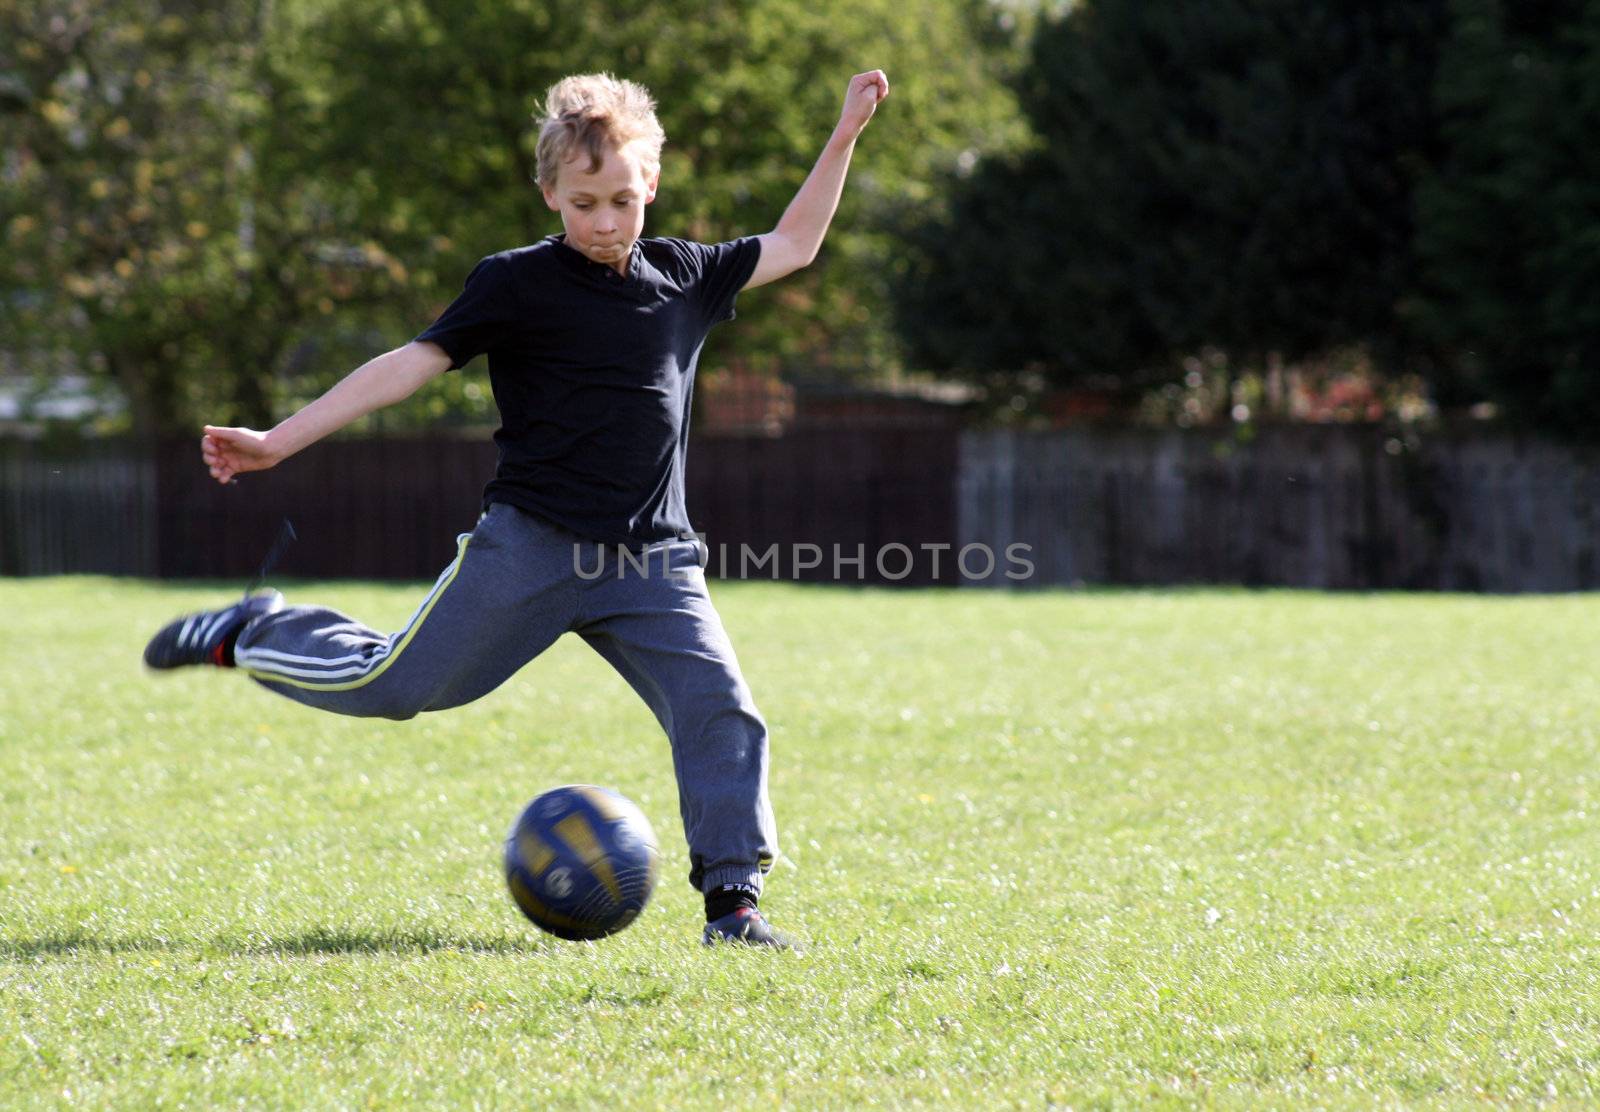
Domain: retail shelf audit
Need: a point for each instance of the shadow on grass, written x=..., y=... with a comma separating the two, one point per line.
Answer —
x=318, y=940
x=337, y=940
x=70, y=943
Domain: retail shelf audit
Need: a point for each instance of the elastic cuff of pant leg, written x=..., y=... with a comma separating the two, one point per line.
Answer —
x=732, y=874
x=241, y=639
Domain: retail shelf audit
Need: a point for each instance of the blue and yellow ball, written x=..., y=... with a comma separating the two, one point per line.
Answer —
x=581, y=862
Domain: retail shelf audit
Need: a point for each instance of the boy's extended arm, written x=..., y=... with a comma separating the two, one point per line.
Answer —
x=794, y=242
x=382, y=381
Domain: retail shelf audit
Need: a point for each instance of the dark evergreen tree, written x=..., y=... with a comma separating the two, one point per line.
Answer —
x=1510, y=220
x=1237, y=173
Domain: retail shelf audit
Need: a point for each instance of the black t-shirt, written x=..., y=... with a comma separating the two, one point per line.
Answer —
x=593, y=373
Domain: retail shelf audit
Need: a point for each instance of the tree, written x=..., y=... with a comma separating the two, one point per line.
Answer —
x=1510, y=217
x=200, y=191
x=1233, y=173
x=429, y=112
x=160, y=230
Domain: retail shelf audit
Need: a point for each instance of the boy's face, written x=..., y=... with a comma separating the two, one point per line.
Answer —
x=603, y=212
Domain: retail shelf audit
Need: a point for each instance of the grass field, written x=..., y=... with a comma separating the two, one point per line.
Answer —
x=1075, y=849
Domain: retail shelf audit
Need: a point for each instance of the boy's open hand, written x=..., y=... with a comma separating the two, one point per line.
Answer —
x=861, y=99
x=228, y=452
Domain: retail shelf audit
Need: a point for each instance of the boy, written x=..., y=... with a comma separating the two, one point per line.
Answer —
x=592, y=338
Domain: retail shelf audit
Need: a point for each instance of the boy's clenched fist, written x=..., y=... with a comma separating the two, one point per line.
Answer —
x=861, y=99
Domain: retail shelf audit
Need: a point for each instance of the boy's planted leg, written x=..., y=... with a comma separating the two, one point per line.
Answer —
x=661, y=632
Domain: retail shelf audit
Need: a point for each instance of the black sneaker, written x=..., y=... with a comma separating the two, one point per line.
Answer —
x=204, y=637
x=745, y=926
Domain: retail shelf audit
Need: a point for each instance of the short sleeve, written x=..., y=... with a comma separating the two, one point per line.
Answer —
x=478, y=318
x=723, y=269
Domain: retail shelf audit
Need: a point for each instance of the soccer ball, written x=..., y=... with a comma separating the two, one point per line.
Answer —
x=581, y=862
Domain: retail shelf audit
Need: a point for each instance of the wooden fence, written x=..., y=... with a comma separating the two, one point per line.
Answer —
x=391, y=509
x=1331, y=507
x=829, y=496
x=91, y=509
x=378, y=509
x=1323, y=506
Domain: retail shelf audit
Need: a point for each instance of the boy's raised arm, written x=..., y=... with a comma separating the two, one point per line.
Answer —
x=381, y=381
x=794, y=242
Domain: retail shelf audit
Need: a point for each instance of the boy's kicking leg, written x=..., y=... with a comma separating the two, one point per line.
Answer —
x=663, y=635
x=502, y=601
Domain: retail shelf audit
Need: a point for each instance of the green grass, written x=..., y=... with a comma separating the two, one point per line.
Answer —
x=1095, y=849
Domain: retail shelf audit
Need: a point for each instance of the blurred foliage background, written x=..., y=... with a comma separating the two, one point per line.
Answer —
x=221, y=207
x=1393, y=195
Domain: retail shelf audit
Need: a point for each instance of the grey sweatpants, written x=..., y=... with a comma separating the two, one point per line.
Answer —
x=518, y=583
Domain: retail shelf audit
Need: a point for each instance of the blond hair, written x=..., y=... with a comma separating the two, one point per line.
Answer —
x=593, y=111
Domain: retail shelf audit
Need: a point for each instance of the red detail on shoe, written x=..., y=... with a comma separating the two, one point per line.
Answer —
x=219, y=655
